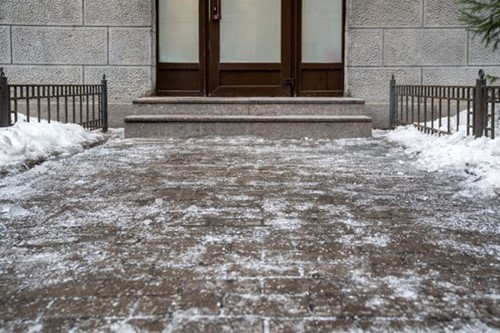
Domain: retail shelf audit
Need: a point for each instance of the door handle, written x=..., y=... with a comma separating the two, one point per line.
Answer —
x=217, y=11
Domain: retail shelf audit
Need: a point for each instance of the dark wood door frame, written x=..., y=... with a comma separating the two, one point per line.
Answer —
x=211, y=78
x=318, y=79
x=251, y=79
x=183, y=79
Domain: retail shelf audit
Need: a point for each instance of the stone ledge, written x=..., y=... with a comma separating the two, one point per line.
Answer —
x=244, y=119
x=248, y=100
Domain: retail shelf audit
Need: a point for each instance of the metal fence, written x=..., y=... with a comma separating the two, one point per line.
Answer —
x=83, y=104
x=436, y=109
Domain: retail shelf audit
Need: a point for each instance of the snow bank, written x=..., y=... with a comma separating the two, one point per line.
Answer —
x=478, y=159
x=26, y=143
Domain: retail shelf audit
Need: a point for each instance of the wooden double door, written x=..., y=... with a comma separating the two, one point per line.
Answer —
x=238, y=48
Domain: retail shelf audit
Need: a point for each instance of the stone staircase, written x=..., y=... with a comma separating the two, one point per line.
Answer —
x=278, y=118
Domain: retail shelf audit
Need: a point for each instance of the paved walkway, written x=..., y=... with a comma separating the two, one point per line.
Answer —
x=245, y=235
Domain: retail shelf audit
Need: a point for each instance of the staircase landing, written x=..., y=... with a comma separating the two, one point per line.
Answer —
x=184, y=117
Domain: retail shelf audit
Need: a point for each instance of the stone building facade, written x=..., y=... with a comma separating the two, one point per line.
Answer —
x=77, y=41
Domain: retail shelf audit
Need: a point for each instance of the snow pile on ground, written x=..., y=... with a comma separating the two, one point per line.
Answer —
x=479, y=158
x=27, y=143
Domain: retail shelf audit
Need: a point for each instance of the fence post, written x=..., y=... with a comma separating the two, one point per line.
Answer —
x=4, y=101
x=392, y=102
x=104, y=101
x=480, y=116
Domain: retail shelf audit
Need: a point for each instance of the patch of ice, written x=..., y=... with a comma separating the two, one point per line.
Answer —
x=285, y=223
x=122, y=328
x=360, y=277
x=404, y=287
x=354, y=223
x=481, y=250
x=241, y=197
x=475, y=326
x=159, y=202
x=375, y=302
x=381, y=240
x=274, y=206
x=302, y=207
x=35, y=328
x=14, y=211
x=116, y=133
x=13, y=191
x=218, y=239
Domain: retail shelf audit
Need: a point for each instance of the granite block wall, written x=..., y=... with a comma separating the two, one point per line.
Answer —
x=419, y=41
x=77, y=41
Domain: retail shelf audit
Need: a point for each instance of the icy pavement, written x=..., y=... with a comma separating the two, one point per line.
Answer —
x=245, y=235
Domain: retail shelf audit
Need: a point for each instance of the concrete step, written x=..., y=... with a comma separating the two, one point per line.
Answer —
x=269, y=106
x=269, y=126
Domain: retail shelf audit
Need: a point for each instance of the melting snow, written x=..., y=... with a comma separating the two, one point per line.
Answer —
x=479, y=159
x=26, y=143
x=15, y=211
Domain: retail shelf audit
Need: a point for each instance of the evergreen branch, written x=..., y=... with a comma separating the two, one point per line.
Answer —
x=483, y=19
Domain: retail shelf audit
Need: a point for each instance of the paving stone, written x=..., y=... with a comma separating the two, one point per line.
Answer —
x=203, y=302
x=157, y=306
x=115, y=324
x=58, y=325
x=117, y=287
x=148, y=325
x=352, y=324
x=261, y=305
x=130, y=242
x=224, y=287
x=309, y=286
x=90, y=307
x=216, y=325
x=67, y=289
x=28, y=310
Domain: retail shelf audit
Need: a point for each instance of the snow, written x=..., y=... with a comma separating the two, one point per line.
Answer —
x=14, y=211
x=27, y=143
x=126, y=213
x=477, y=159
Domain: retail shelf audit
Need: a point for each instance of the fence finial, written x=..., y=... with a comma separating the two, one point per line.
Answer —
x=481, y=74
x=104, y=77
x=392, y=77
x=2, y=74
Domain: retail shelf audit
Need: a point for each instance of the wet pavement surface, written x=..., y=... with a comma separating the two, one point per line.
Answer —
x=245, y=235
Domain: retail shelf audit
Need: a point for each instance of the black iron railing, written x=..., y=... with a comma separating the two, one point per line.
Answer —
x=436, y=109
x=83, y=104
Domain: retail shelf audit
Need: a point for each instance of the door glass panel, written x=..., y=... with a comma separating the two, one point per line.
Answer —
x=322, y=31
x=250, y=31
x=179, y=31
